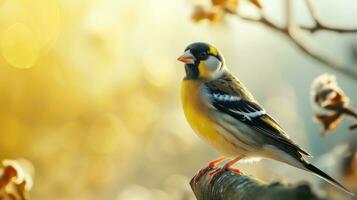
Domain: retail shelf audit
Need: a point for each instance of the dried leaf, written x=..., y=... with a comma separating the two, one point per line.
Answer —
x=216, y=12
x=229, y=6
x=15, y=182
x=218, y=2
x=329, y=122
x=200, y=13
x=214, y=16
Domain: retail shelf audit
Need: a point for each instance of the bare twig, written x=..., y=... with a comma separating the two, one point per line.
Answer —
x=353, y=127
x=294, y=32
x=318, y=23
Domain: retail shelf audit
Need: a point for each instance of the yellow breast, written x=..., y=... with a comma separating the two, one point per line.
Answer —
x=200, y=117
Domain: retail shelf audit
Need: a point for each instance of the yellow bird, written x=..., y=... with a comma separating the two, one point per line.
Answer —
x=223, y=112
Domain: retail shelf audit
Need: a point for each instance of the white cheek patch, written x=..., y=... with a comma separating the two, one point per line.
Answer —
x=212, y=63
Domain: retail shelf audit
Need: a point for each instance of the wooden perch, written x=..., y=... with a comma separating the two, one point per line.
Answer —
x=231, y=186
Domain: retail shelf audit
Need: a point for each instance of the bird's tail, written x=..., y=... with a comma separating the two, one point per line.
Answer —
x=323, y=175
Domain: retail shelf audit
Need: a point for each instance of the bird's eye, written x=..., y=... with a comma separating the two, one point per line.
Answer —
x=203, y=55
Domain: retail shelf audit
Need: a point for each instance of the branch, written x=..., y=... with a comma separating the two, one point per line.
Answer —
x=230, y=186
x=353, y=127
x=350, y=112
x=318, y=24
x=294, y=32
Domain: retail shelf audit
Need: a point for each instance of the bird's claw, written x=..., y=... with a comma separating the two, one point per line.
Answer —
x=216, y=172
x=201, y=173
x=210, y=166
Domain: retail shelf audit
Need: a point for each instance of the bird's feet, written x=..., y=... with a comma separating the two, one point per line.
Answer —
x=210, y=166
x=227, y=167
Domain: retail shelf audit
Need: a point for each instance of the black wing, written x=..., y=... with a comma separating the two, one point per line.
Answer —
x=251, y=114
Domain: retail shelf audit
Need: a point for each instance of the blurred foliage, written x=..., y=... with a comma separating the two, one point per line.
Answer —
x=341, y=159
x=218, y=9
x=15, y=180
x=79, y=98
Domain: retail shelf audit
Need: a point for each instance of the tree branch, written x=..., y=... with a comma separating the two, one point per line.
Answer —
x=353, y=127
x=230, y=186
x=294, y=33
x=318, y=24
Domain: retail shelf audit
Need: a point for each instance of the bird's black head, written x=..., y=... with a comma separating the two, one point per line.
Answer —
x=201, y=60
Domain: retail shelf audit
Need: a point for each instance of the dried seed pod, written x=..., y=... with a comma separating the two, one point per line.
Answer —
x=326, y=92
x=330, y=102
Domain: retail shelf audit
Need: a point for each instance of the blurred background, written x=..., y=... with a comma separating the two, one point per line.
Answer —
x=89, y=92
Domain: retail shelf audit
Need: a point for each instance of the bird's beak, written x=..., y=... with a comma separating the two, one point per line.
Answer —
x=187, y=58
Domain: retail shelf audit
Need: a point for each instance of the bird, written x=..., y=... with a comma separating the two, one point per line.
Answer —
x=221, y=110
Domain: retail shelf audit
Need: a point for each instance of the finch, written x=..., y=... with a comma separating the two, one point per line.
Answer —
x=224, y=113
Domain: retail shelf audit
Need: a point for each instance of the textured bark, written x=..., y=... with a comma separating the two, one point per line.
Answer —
x=228, y=185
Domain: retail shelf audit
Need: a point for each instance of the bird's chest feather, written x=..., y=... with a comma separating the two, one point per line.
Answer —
x=200, y=117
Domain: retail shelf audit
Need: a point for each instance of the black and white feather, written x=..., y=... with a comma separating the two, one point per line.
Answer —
x=254, y=116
